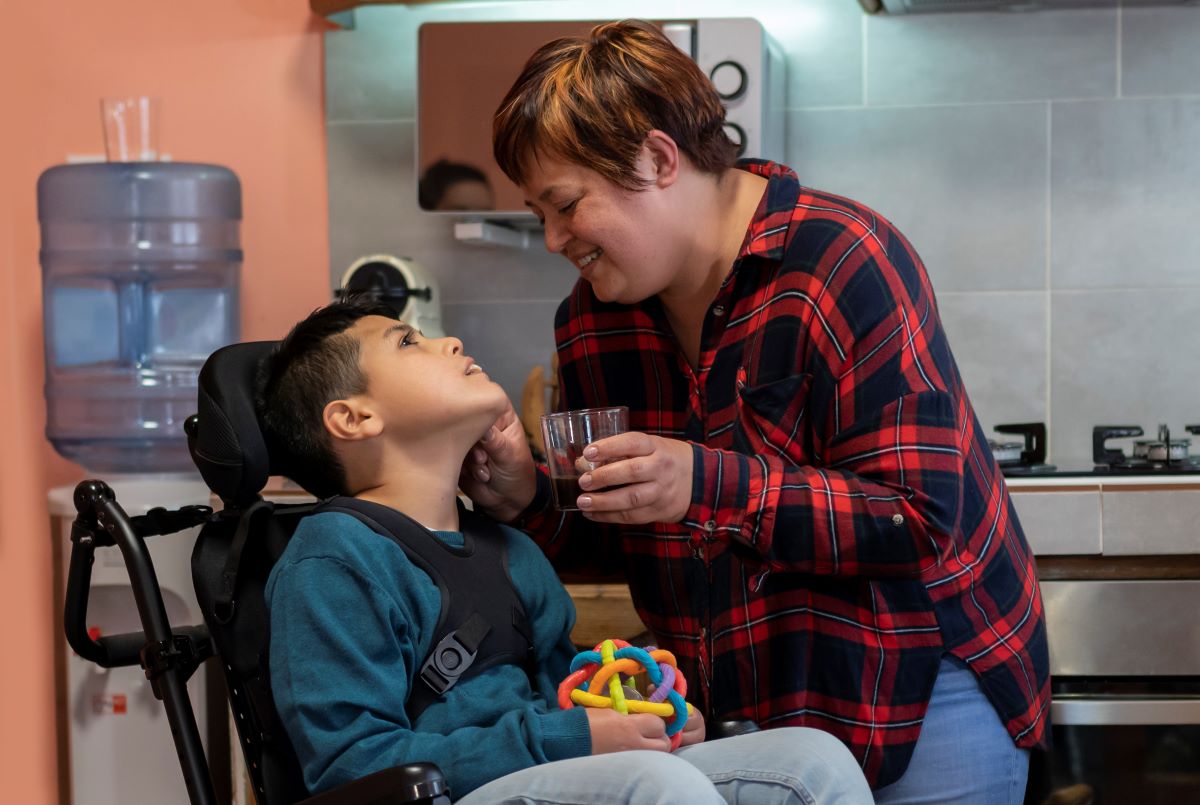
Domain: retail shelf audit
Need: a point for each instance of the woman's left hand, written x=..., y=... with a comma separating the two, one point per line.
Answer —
x=693, y=730
x=654, y=475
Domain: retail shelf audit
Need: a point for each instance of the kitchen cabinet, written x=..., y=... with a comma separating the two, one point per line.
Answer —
x=1111, y=516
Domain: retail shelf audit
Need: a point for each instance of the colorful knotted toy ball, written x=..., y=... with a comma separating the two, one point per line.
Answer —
x=604, y=665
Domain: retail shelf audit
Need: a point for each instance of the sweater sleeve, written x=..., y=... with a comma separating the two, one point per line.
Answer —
x=343, y=651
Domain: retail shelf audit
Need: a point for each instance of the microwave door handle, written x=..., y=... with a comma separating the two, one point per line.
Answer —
x=1133, y=712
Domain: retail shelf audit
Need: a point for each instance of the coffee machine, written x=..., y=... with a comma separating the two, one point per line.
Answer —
x=400, y=283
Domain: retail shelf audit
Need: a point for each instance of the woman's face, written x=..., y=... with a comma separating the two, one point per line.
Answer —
x=619, y=240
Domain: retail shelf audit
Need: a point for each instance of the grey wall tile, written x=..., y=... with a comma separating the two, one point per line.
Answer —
x=1160, y=51
x=474, y=274
x=966, y=184
x=1124, y=201
x=999, y=342
x=506, y=339
x=972, y=58
x=1127, y=357
x=372, y=204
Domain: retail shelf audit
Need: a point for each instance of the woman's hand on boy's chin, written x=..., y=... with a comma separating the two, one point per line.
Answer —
x=498, y=473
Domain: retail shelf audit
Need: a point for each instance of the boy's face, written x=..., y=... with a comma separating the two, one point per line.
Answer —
x=421, y=386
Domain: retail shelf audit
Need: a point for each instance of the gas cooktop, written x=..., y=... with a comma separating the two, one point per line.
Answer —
x=1158, y=456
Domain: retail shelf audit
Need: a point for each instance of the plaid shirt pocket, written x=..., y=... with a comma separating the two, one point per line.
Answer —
x=771, y=418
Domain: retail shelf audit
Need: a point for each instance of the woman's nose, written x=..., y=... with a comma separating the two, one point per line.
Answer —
x=452, y=345
x=556, y=236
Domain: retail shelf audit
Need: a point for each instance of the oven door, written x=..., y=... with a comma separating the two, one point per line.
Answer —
x=1125, y=665
x=1122, y=741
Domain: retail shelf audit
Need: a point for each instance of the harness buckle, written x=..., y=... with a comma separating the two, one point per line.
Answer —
x=446, y=663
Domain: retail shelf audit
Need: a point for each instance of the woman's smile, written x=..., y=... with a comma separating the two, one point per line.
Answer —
x=588, y=258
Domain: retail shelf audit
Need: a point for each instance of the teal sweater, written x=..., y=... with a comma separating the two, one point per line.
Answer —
x=351, y=621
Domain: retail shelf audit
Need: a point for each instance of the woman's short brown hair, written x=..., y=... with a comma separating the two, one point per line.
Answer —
x=593, y=100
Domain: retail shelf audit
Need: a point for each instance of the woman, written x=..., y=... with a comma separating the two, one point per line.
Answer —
x=806, y=507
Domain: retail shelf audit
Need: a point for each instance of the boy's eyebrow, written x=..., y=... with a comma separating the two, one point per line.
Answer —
x=397, y=327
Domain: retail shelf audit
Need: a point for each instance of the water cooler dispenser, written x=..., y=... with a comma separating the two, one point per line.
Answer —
x=140, y=274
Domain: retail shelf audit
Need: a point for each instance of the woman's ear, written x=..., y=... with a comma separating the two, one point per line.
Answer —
x=351, y=420
x=660, y=158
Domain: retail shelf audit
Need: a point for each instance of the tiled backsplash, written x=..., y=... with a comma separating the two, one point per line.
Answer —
x=1044, y=164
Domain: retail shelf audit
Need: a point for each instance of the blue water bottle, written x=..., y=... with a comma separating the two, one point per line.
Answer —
x=140, y=272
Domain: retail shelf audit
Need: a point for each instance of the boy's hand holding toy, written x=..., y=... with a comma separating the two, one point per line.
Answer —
x=601, y=670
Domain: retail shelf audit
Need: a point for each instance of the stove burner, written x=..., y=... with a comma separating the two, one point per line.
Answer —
x=1161, y=455
x=1022, y=458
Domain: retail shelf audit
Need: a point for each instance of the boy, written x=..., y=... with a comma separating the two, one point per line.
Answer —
x=365, y=408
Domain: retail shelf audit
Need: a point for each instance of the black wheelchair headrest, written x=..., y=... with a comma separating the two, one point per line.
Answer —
x=226, y=441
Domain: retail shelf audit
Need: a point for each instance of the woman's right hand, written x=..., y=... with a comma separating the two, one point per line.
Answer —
x=498, y=473
x=616, y=732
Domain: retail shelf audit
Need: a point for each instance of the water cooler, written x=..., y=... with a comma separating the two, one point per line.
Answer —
x=140, y=275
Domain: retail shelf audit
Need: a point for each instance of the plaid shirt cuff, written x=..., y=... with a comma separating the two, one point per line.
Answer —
x=727, y=494
x=535, y=515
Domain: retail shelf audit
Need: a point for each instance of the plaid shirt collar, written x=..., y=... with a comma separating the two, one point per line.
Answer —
x=768, y=230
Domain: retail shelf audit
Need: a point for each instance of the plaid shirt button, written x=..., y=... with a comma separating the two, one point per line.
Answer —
x=718, y=310
x=897, y=519
x=710, y=526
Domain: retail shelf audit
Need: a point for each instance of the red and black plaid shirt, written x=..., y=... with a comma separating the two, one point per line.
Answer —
x=848, y=523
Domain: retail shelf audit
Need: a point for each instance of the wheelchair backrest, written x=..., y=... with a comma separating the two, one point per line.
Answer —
x=240, y=629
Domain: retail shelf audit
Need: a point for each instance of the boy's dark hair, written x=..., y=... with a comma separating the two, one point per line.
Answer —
x=316, y=363
x=438, y=178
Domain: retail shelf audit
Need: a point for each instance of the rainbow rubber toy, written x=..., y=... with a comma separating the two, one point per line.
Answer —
x=604, y=665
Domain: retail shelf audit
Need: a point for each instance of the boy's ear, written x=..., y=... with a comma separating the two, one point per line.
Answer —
x=660, y=155
x=351, y=420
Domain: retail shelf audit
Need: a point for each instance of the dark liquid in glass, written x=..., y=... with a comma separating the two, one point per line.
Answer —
x=566, y=490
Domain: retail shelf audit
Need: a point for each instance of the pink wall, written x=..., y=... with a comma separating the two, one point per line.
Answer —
x=241, y=85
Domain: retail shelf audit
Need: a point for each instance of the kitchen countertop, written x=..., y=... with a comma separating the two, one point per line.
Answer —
x=1115, y=481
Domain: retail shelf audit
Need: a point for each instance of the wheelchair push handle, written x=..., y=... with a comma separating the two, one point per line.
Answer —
x=101, y=522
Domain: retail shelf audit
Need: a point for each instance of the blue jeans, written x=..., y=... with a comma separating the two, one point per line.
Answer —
x=787, y=765
x=964, y=753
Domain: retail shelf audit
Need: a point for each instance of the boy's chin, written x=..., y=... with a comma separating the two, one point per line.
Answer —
x=488, y=410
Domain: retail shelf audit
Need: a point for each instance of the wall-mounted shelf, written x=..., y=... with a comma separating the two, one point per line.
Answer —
x=488, y=233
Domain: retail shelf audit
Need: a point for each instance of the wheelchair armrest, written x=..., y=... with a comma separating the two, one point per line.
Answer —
x=421, y=783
